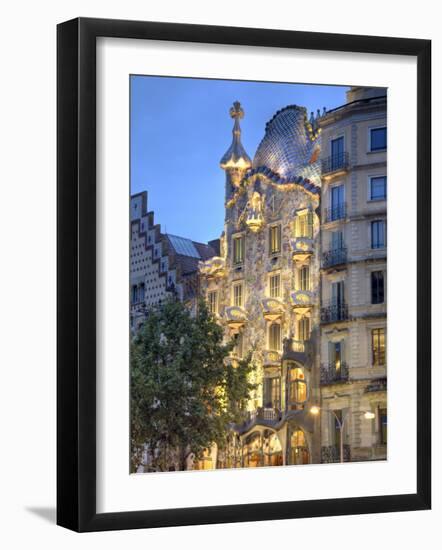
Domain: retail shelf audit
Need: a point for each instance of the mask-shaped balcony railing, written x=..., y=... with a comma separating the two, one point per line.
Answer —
x=302, y=248
x=272, y=308
x=235, y=316
x=214, y=267
x=302, y=298
x=272, y=358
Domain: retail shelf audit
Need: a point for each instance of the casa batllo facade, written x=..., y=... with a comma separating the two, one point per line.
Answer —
x=264, y=287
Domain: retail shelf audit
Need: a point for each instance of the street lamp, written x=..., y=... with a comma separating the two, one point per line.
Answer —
x=368, y=415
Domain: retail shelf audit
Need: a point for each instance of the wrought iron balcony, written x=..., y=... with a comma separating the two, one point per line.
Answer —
x=335, y=163
x=337, y=212
x=334, y=312
x=329, y=374
x=338, y=256
x=331, y=453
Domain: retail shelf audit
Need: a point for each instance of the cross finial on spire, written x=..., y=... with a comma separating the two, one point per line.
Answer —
x=235, y=157
x=236, y=111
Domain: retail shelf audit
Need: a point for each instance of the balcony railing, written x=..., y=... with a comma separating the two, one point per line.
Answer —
x=338, y=256
x=332, y=375
x=331, y=453
x=272, y=357
x=335, y=163
x=334, y=312
x=267, y=415
x=336, y=212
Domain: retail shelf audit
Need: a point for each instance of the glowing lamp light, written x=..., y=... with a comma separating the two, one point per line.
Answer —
x=314, y=410
x=369, y=415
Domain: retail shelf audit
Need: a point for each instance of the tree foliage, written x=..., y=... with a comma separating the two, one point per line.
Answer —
x=184, y=391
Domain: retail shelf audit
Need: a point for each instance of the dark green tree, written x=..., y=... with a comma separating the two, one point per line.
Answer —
x=185, y=394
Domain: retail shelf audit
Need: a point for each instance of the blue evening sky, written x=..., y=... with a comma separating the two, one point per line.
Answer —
x=180, y=128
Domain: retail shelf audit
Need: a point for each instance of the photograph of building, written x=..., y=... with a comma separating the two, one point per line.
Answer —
x=297, y=281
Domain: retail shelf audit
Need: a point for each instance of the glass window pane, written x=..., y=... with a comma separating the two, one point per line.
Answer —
x=378, y=188
x=378, y=139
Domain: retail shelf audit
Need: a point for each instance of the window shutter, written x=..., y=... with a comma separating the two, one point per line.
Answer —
x=310, y=224
x=343, y=351
x=331, y=353
x=296, y=226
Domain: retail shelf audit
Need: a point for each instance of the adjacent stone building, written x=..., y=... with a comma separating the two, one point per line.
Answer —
x=353, y=374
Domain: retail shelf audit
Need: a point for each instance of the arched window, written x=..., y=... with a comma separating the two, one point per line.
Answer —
x=298, y=452
x=272, y=449
x=252, y=451
x=297, y=388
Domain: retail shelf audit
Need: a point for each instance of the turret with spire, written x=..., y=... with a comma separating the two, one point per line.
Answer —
x=235, y=160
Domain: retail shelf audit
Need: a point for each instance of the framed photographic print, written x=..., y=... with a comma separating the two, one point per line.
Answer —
x=243, y=274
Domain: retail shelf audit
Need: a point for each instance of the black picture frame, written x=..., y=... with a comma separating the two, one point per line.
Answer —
x=76, y=274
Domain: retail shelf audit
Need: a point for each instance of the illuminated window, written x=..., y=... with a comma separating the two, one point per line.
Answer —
x=297, y=388
x=275, y=286
x=272, y=449
x=377, y=287
x=272, y=392
x=213, y=301
x=378, y=139
x=304, y=225
x=298, y=448
x=275, y=337
x=304, y=328
x=378, y=347
x=298, y=439
x=304, y=278
x=378, y=188
x=238, y=295
x=336, y=354
x=238, y=249
x=275, y=239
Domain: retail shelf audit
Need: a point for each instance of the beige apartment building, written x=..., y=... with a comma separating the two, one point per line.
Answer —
x=353, y=375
